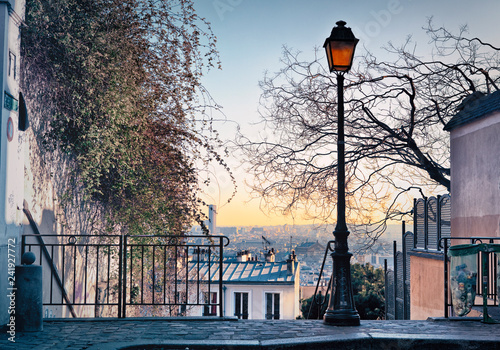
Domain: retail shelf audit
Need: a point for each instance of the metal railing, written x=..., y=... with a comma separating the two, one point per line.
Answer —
x=319, y=301
x=397, y=280
x=103, y=276
x=173, y=272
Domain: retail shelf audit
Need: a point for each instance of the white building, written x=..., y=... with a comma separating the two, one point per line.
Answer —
x=251, y=289
x=14, y=122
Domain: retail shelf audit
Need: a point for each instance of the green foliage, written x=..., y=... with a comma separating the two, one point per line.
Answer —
x=118, y=81
x=368, y=289
x=368, y=286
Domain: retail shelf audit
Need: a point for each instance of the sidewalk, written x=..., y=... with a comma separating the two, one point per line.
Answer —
x=212, y=333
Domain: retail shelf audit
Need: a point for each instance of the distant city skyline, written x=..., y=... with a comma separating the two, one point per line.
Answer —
x=251, y=35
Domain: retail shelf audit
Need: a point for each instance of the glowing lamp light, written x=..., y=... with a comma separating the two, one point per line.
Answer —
x=340, y=48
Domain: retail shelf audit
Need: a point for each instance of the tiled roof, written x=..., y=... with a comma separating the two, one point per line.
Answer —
x=475, y=110
x=245, y=272
x=311, y=245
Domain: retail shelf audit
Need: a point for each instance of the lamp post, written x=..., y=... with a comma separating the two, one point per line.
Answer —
x=341, y=310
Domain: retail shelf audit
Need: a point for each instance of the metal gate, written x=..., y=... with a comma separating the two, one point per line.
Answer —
x=397, y=281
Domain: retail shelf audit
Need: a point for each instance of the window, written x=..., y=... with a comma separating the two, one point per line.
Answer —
x=210, y=307
x=272, y=306
x=182, y=300
x=241, y=305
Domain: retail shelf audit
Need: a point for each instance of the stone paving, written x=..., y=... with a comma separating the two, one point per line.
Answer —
x=210, y=334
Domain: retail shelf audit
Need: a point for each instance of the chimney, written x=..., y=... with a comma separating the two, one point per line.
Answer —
x=198, y=254
x=290, y=263
x=270, y=257
x=212, y=219
x=243, y=256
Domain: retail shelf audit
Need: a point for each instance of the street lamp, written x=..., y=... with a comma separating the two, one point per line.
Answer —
x=341, y=309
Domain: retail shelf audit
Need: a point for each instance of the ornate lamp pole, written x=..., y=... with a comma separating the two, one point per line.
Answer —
x=341, y=309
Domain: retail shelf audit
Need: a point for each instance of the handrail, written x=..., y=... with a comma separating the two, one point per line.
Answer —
x=176, y=237
x=313, y=301
x=53, y=268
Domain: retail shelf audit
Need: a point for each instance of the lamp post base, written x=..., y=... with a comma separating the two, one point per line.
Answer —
x=341, y=309
x=341, y=318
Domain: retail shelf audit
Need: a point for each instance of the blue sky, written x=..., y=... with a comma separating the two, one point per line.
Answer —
x=251, y=34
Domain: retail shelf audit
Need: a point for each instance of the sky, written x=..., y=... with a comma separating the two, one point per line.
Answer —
x=250, y=38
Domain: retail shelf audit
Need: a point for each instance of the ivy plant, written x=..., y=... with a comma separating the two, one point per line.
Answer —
x=116, y=86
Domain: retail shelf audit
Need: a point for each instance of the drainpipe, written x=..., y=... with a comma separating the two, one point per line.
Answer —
x=224, y=293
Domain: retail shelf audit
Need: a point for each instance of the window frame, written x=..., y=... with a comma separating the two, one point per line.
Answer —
x=208, y=307
x=233, y=304
x=280, y=310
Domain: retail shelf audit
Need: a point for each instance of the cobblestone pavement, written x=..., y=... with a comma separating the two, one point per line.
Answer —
x=193, y=334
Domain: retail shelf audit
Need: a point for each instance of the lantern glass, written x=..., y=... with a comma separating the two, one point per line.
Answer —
x=340, y=55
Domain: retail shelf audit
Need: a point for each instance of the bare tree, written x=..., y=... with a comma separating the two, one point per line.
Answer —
x=395, y=114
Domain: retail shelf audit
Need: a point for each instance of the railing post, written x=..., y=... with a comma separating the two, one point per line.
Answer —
x=492, y=276
x=415, y=226
x=386, y=308
x=438, y=221
x=96, y=297
x=426, y=224
x=186, y=258
x=123, y=278
x=221, y=266
x=484, y=284
x=496, y=297
x=120, y=274
x=23, y=244
x=445, y=259
x=175, y=272
x=395, y=279
x=209, y=263
x=403, y=238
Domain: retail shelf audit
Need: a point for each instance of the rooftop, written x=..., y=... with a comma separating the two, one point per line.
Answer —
x=229, y=333
x=476, y=107
x=246, y=272
x=310, y=244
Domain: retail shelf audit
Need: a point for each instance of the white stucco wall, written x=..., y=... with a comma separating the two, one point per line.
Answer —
x=289, y=300
x=11, y=150
x=257, y=304
x=475, y=178
x=29, y=175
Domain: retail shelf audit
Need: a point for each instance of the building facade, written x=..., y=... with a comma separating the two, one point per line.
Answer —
x=475, y=196
x=475, y=164
x=14, y=122
x=252, y=289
